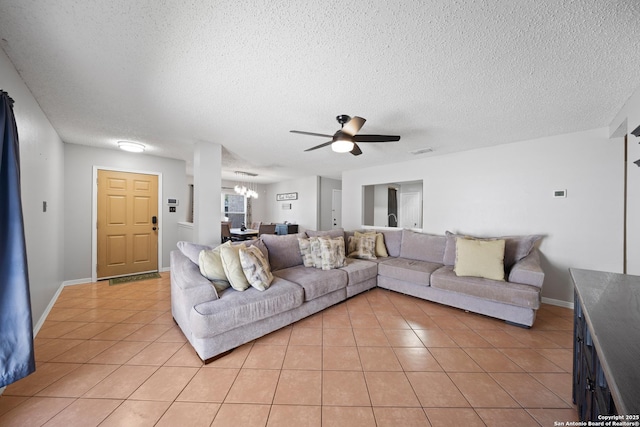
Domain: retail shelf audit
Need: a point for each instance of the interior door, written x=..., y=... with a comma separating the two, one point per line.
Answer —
x=127, y=223
x=410, y=210
x=336, y=209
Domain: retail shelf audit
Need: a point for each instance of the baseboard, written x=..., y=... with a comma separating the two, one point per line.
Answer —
x=2, y=390
x=77, y=282
x=557, y=302
x=165, y=269
x=40, y=322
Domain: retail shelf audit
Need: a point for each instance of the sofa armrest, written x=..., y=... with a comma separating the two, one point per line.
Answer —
x=187, y=283
x=528, y=271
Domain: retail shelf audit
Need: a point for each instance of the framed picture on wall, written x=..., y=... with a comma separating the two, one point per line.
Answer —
x=286, y=196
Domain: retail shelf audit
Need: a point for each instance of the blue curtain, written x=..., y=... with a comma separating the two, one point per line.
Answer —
x=16, y=329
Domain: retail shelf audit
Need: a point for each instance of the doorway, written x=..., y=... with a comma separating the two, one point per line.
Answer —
x=127, y=225
x=336, y=209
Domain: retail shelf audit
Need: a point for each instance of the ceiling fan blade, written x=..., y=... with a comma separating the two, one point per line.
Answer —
x=311, y=133
x=376, y=138
x=356, y=150
x=319, y=146
x=353, y=126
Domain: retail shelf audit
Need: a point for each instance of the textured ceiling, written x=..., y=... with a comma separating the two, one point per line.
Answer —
x=446, y=74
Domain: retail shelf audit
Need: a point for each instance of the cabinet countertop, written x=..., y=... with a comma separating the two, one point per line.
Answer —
x=611, y=304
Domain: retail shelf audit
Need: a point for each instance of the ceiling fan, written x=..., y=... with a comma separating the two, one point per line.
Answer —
x=345, y=140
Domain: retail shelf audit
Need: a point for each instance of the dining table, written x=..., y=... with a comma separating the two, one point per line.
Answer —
x=241, y=234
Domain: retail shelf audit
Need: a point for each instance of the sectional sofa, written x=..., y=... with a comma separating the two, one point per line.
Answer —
x=418, y=264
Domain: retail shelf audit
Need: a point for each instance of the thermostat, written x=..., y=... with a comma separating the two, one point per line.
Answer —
x=560, y=193
x=173, y=202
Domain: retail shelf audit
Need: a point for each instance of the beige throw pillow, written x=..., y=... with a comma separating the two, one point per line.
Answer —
x=230, y=256
x=256, y=268
x=480, y=258
x=381, y=248
x=210, y=264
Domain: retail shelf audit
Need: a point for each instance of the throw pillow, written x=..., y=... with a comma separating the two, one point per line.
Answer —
x=362, y=246
x=480, y=258
x=381, y=248
x=332, y=253
x=305, y=251
x=256, y=268
x=233, y=267
x=311, y=252
x=210, y=264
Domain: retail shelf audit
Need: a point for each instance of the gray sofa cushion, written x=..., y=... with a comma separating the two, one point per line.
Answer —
x=315, y=282
x=359, y=270
x=493, y=290
x=192, y=250
x=392, y=240
x=515, y=248
x=235, y=308
x=284, y=251
x=338, y=232
x=408, y=270
x=422, y=247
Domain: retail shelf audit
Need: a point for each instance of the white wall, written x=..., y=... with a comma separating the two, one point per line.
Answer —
x=303, y=212
x=627, y=120
x=42, y=165
x=508, y=189
x=78, y=183
x=327, y=185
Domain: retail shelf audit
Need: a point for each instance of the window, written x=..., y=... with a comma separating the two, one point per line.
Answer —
x=235, y=208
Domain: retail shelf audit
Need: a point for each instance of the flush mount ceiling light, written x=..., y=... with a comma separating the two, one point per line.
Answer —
x=342, y=145
x=133, y=147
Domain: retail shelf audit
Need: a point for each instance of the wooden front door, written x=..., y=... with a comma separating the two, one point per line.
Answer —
x=127, y=223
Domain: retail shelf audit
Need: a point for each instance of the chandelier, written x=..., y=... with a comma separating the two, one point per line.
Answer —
x=244, y=188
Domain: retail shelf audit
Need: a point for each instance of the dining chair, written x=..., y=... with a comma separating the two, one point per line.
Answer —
x=255, y=225
x=225, y=231
x=266, y=229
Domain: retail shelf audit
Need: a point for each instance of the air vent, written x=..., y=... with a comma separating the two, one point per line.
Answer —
x=421, y=151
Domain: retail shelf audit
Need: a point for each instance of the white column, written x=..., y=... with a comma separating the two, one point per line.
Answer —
x=207, y=185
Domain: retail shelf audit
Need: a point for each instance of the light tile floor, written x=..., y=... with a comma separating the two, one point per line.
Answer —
x=112, y=356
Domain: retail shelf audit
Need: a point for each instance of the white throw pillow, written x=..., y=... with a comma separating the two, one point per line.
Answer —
x=233, y=267
x=210, y=264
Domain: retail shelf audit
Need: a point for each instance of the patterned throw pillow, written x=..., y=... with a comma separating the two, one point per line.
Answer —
x=363, y=246
x=311, y=251
x=256, y=268
x=381, y=248
x=332, y=253
x=305, y=251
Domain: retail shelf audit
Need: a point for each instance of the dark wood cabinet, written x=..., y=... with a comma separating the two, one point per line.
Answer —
x=590, y=388
x=606, y=348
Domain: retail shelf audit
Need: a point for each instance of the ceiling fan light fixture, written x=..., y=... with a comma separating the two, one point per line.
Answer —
x=132, y=147
x=342, y=146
